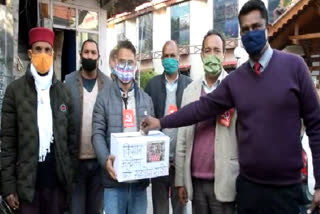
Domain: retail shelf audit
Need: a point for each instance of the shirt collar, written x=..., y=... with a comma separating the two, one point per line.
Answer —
x=214, y=86
x=264, y=59
x=174, y=82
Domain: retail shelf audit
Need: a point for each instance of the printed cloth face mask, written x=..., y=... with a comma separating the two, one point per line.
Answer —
x=212, y=65
x=125, y=71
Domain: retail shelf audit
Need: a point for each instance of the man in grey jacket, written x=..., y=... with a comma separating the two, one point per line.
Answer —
x=123, y=99
x=206, y=153
x=166, y=92
x=85, y=85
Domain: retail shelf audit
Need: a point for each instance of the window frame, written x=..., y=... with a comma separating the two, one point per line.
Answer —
x=77, y=29
x=234, y=18
x=187, y=3
x=138, y=29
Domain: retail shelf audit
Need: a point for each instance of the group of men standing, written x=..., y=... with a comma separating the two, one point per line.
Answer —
x=269, y=95
x=55, y=150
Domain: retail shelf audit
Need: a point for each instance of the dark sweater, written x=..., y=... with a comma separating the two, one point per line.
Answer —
x=269, y=107
x=88, y=84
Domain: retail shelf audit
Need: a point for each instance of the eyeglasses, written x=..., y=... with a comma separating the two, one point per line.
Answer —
x=122, y=63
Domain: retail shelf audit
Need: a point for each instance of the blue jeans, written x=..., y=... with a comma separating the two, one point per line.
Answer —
x=130, y=198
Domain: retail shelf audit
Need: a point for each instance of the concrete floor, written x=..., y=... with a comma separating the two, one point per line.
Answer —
x=150, y=210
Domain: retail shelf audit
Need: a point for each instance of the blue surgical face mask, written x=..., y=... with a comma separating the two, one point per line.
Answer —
x=170, y=65
x=254, y=41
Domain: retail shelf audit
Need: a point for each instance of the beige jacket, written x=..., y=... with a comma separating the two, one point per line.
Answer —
x=226, y=151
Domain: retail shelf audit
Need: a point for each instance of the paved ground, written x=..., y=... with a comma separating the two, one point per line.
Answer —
x=150, y=210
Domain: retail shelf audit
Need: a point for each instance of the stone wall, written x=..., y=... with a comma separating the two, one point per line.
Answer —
x=6, y=49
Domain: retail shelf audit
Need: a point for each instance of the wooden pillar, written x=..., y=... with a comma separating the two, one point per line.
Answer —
x=296, y=33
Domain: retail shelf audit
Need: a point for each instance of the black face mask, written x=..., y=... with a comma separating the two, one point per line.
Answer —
x=89, y=64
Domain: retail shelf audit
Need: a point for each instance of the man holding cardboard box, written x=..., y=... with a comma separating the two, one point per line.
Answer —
x=120, y=109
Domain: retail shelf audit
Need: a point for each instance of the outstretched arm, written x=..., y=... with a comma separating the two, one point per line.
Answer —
x=215, y=103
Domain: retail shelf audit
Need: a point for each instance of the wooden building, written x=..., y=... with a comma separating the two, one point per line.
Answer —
x=298, y=31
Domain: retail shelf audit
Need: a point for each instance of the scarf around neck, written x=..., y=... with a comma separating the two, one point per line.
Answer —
x=44, y=111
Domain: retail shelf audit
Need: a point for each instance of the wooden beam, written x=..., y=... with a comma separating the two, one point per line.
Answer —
x=305, y=36
x=44, y=11
x=296, y=29
x=289, y=14
x=314, y=68
x=296, y=33
x=317, y=7
x=280, y=40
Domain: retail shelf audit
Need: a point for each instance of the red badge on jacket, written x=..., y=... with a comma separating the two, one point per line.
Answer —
x=225, y=118
x=127, y=118
x=172, y=109
x=63, y=108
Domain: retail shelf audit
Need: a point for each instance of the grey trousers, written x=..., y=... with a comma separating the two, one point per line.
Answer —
x=204, y=199
x=160, y=195
x=87, y=197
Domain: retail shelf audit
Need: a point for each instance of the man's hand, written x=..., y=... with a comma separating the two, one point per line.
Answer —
x=13, y=201
x=149, y=123
x=182, y=194
x=109, y=167
x=315, y=202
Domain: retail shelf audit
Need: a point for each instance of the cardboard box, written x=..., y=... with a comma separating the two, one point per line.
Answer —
x=140, y=157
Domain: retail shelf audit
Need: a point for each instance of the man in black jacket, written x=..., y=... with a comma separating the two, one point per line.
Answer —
x=38, y=151
x=166, y=92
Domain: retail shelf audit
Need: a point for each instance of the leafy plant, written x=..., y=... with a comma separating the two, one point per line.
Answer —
x=145, y=76
x=286, y=3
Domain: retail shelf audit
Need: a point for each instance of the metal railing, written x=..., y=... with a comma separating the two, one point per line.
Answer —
x=185, y=50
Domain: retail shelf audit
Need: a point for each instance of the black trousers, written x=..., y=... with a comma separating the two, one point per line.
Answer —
x=253, y=198
x=46, y=201
x=87, y=197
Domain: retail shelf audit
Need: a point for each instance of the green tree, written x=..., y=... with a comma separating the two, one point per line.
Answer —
x=145, y=76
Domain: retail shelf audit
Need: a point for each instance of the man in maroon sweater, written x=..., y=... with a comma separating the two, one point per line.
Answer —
x=271, y=92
